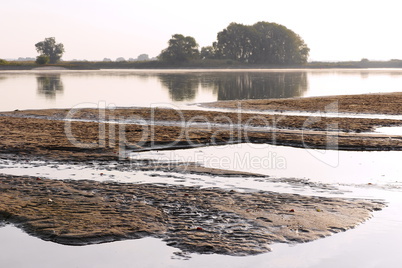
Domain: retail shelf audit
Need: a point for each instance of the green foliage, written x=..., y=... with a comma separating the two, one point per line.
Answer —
x=49, y=48
x=181, y=49
x=42, y=59
x=209, y=52
x=236, y=42
x=3, y=62
x=261, y=43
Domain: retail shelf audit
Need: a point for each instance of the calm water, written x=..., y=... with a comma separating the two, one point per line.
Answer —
x=65, y=89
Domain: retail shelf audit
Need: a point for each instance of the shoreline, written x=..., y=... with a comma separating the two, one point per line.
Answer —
x=375, y=103
x=205, y=64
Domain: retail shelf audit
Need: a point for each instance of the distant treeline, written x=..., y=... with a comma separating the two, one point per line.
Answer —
x=207, y=64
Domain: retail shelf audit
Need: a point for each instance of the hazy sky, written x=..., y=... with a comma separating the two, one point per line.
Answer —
x=95, y=29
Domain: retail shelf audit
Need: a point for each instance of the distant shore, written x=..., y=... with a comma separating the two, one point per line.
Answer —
x=199, y=64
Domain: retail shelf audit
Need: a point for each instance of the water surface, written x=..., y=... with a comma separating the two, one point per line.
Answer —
x=65, y=89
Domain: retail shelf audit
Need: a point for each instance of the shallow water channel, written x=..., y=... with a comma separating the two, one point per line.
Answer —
x=291, y=170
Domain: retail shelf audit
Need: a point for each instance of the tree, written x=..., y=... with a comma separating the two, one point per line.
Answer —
x=181, y=49
x=263, y=42
x=237, y=42
x=42, y=59
x=210, y=52
x=49, y=48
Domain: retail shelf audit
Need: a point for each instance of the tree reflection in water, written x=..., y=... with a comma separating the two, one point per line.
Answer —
x=182, y=87
x=262, y=85
x=236, y=85
x=49, y=85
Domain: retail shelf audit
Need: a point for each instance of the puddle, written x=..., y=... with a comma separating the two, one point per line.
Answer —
x=397, y=131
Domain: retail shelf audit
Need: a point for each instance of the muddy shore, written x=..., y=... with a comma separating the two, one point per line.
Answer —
x=43, y=132
x=188, y=218
x=381, y=103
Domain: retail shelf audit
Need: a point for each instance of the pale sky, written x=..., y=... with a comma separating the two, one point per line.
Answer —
x=95, y=29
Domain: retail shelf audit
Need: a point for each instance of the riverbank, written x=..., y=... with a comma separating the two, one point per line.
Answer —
x=384, y=103
x=205, y=64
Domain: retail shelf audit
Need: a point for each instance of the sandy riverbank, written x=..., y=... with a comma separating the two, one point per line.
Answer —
x=37, y=133
x=381, y=103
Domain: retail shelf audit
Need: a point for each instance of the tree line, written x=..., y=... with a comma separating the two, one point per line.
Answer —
x=260, y=43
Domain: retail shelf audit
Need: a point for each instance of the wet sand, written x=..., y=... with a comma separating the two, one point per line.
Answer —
x=23, y=133
x=191, y=219
x=381, y=103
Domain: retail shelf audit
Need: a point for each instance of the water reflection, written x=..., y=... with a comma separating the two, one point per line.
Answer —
x=236, y=86
x=364, y=75
x=128, y=88
x=49, y=85
x=261, y=86
x=181, y=87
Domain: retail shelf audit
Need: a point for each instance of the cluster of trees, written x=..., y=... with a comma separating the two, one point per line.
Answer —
x=261, y=43
x=181, y=48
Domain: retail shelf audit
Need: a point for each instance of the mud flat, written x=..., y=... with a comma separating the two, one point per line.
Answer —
x=191, y=219
x=384, y=103
x=84, y=212
x=43, y=133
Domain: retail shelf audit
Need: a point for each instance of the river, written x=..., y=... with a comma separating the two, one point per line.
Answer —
x=291, y=170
